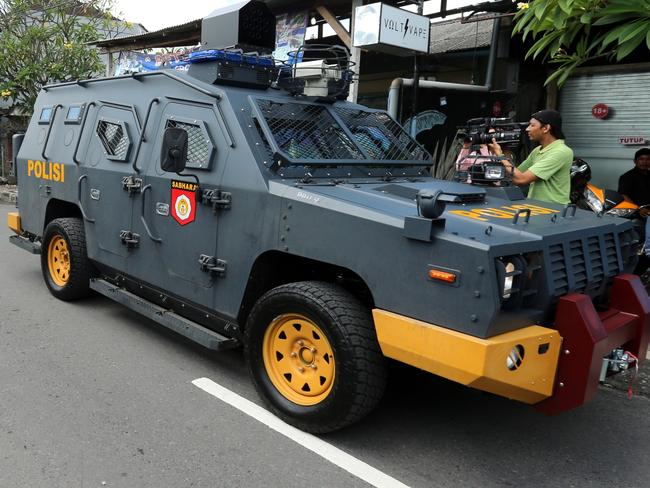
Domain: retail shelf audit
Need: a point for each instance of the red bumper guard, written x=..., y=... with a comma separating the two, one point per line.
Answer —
x=589, y=335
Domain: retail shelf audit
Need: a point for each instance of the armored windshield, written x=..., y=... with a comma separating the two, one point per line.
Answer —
x=312, y=134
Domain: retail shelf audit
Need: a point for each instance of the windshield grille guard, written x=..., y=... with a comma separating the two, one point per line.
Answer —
x=307, y=134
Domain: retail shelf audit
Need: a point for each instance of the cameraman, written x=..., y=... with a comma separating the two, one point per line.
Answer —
x=467, y=156
x=547, y=168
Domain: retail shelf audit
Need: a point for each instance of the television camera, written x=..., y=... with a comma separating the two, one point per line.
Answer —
x=476, y=164
x=482, y=130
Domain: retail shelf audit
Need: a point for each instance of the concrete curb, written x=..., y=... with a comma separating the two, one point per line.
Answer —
x=8, y=193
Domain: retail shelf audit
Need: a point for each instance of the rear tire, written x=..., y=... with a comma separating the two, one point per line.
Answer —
x=64, y=260
x=312, y=352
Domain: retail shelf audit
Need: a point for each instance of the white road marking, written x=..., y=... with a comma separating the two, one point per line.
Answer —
x=333, y=454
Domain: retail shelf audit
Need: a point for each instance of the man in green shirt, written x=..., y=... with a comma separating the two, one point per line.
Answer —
x=547, y=168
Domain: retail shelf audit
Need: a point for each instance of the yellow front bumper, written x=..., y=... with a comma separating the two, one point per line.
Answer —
x=13, y=221
x=480, y=363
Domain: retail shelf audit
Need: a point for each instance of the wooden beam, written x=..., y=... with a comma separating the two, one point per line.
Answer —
x=355, y=58
x=137, y=44
x=329, y=17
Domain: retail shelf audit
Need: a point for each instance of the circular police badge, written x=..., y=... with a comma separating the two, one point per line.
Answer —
x=183, y=207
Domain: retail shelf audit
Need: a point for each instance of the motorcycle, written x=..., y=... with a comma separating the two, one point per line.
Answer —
x=608, y=202
x=602, y=201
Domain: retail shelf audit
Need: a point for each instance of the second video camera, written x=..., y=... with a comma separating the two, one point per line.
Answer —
x=483, y=129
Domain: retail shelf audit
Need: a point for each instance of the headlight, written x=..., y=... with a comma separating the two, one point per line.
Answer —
x=508, y=280
x=515, y=357
x=592, y=200
x=626, y=213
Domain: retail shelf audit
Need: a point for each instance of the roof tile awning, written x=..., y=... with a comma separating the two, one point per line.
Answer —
x=180, y=35
x=453, y=35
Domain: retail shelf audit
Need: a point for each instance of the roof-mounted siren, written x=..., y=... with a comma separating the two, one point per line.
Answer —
x=237, y=42
x=320, y=71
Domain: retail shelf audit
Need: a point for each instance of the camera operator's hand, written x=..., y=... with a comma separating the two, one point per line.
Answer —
x=495, y=148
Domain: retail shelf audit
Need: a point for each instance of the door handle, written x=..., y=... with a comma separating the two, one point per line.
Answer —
x=81, y=206
x=144, y=221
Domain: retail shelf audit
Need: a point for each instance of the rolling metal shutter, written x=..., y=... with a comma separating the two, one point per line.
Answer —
x=597, y=141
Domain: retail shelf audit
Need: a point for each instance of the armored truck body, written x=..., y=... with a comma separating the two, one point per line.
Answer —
x=306, y=228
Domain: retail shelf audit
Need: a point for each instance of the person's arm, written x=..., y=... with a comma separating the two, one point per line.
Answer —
x=520, y=176
x=625, y=188
x=464, y=152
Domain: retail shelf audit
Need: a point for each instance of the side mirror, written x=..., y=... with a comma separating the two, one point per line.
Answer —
x=173, y=155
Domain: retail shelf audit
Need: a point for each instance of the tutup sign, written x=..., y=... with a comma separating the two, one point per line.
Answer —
x=383, y=28
x=632, y=140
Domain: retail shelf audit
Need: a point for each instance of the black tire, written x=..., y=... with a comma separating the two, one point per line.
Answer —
x=72, y=284
x=359, y=370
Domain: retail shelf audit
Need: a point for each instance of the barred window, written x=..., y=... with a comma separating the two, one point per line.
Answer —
x=199, y=145
x=114, y=139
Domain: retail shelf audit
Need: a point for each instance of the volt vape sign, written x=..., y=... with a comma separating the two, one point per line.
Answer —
x=383, y=28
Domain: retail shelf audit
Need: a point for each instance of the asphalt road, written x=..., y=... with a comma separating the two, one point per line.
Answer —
x=92, y=394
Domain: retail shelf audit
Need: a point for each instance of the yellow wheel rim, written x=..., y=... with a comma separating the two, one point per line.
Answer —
x=299, y=359
x=58, y=261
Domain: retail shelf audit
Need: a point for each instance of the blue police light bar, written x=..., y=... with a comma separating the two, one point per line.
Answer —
x=237, y=57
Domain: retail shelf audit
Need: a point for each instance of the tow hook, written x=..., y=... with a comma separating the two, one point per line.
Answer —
x=616, y=361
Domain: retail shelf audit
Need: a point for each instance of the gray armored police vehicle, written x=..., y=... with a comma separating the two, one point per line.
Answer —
x=245, y=202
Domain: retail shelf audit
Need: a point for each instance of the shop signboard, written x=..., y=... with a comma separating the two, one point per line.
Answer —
x=392, y=30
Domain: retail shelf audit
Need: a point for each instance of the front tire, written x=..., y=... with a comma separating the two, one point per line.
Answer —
x=64, y=260
x=312, y=352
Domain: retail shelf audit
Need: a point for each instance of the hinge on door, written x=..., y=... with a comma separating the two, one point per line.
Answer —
x=217, y=199
x=131, y=184
x=129, y=239
x=212, y=265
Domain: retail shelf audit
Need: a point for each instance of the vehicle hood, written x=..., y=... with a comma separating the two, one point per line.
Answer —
x=481, y=214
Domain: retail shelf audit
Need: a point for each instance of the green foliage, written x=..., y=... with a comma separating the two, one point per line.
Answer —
x=570, y=33
x=45, y=41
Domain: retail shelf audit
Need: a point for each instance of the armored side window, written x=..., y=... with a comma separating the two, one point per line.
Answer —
x=46, y=115
x=199, y=144
x=114, y=138
x=74, y=114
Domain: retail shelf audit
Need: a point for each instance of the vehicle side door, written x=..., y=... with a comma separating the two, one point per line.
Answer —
x=103, y=167
x=179, y=217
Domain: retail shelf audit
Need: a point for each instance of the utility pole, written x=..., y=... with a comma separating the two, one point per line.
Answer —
x=416, y=79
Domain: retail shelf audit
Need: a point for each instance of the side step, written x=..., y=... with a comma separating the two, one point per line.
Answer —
x=26, y=244
x=193, y=331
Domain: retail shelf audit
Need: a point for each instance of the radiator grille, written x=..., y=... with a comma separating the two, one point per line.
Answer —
x=579, y=259
x=558, y=270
